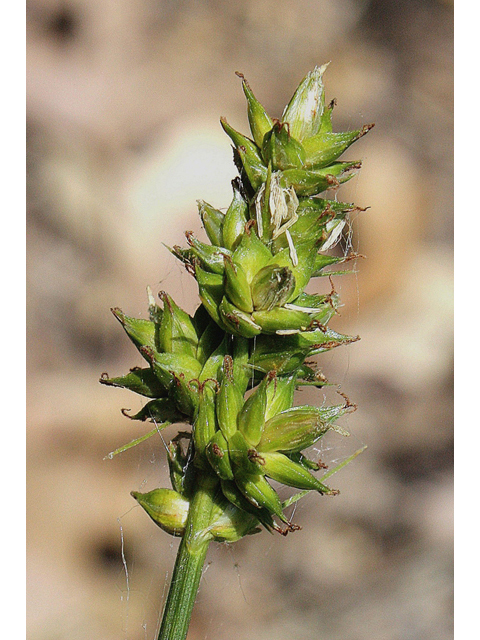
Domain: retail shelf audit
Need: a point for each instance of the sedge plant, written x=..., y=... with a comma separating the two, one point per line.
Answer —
x=231, y=369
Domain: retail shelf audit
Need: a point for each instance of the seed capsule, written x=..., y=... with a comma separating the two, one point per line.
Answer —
x=229, y=523
x=305, y=462
x=306, y=253
x=141, y=381
x=210, y=291
x=305, y=109
x=251, y=418
x=323, y=339
x=259, y=120
x=249, y=155
x=218, y=456
x=326, y=118
x=252, y=164
x=211, y=368
x=236, y=497
x=315, y=208
x=241, y=356
x=237, y=287
x=141, y=332
x=282, y=358
x=326, y=147
x=260, y=493
x=272, y=286
x=205, y=423
x=161, y=411
x=279, y=467
x=170, y=366
x=320, y=308
x=210, y=303
x=281, y=149
x=242, y=454
x=280, y=394
x=210, y=282
x=229, y=401
x=166, y=507
x=310, y=226
x=309, y=182
x=211, y=258
x=180, y=466
x=176, y=333
x=235, y=219
x=297, y=428
x=251, y=254
x=209, y=340
x=281, y=319
x=184, y=393
x=212, y=221
x=238, y=139
x=322, y=261
x=237, y=321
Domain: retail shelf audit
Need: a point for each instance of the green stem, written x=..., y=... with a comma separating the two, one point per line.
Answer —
x=189, y=563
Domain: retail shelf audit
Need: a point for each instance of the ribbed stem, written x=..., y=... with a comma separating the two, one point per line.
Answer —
x=189, y=563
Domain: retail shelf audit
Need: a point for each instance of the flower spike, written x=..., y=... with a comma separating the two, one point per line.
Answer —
x=228, y=373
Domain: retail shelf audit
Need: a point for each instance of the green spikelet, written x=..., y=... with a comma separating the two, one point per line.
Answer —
x=167, y=508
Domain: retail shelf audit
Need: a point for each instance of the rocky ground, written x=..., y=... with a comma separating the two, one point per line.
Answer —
x=124, y=98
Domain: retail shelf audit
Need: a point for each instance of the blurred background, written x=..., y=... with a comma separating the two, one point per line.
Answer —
x=124, y=99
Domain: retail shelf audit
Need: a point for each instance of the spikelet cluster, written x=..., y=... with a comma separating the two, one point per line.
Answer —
x=231, y=369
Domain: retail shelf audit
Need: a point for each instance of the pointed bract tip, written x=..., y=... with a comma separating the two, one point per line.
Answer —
x=117, y=312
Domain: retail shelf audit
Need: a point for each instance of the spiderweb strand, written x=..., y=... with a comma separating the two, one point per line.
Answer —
x=134, y=443
x=302, y=494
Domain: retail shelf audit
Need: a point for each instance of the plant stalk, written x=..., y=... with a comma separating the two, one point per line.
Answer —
x=189, y=562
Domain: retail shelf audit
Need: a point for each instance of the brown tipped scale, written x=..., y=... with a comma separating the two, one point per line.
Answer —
x=297, y=428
